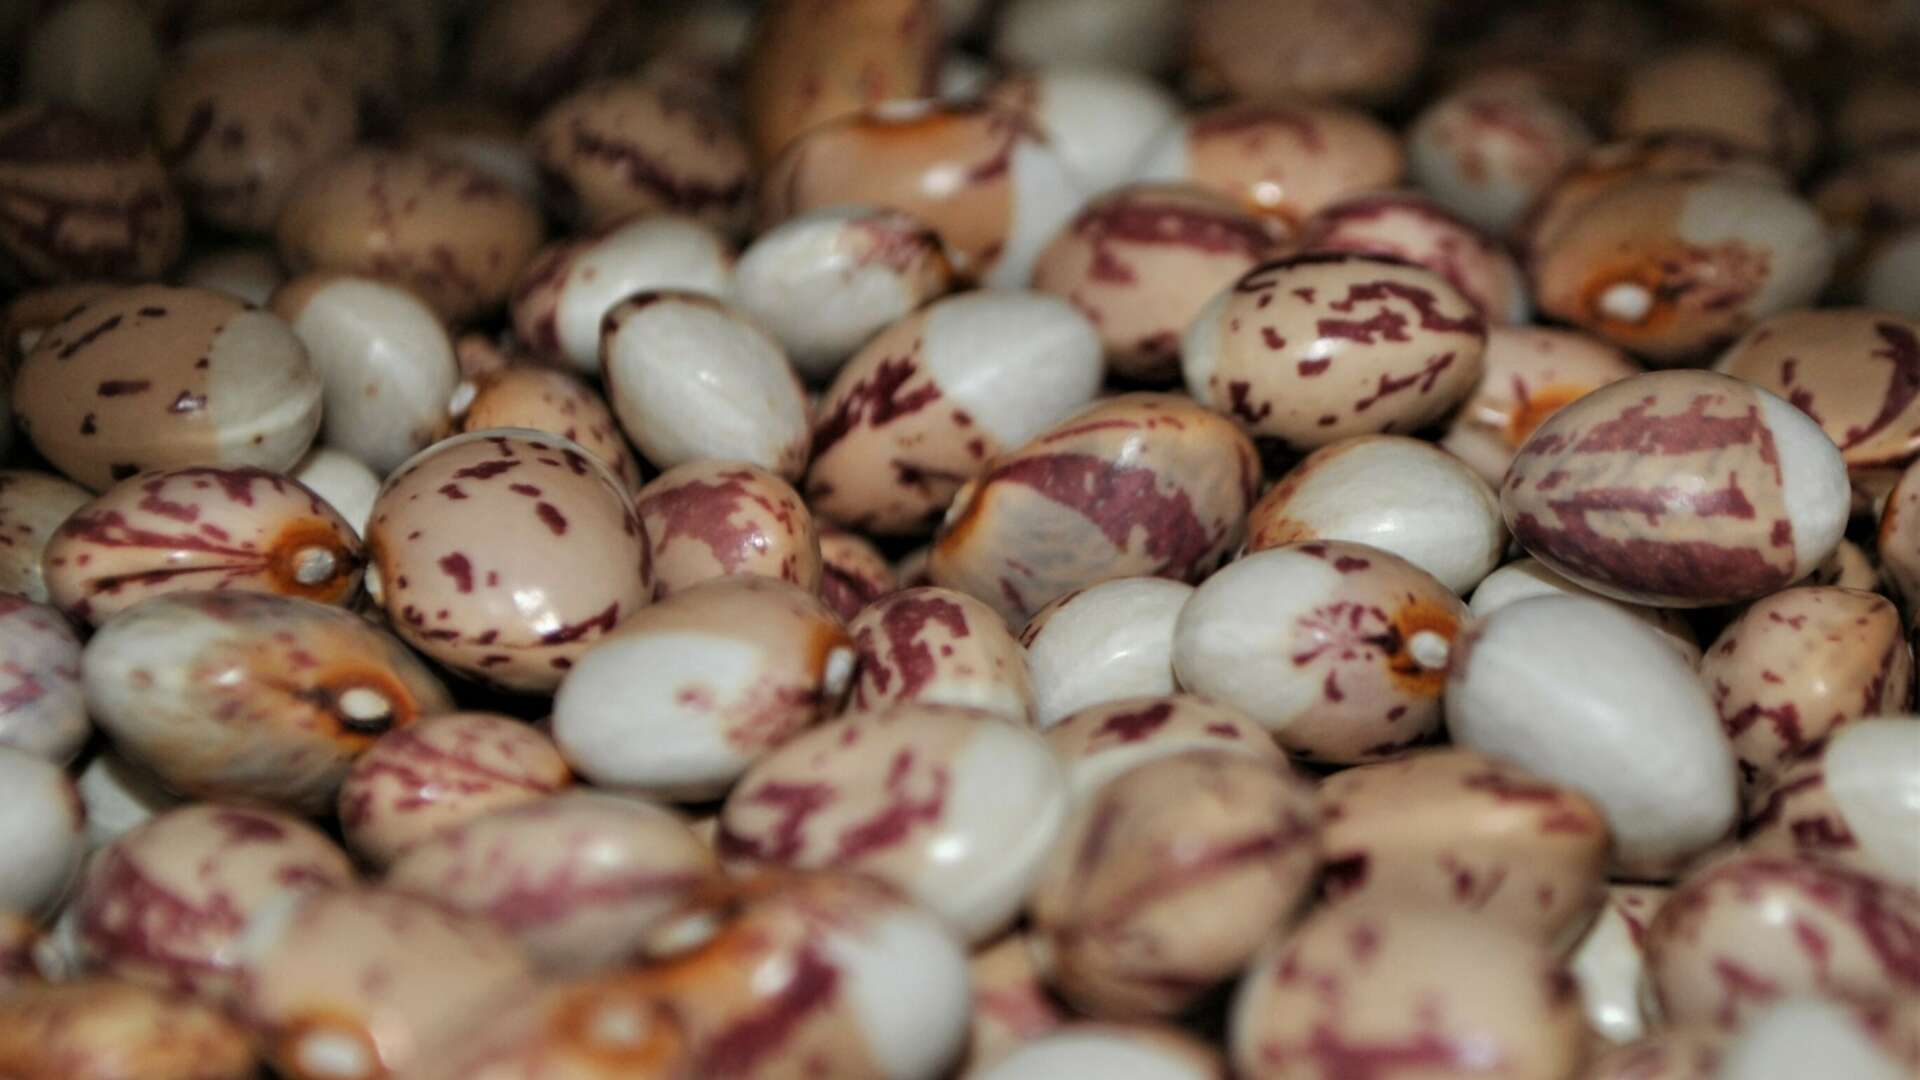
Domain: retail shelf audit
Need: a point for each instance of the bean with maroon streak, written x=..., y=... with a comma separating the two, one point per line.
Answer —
x=1011, y=1003
x=250, y=695
x=1142, y=484
x=109, y=1028
x=956, y=808
x=577, y=878
x=1453, y=830
x=1487, y=149
x=1850, y=804
x=785, y=976
x=165, y=904
x=1679, y=488
x=1416, y=229
x=82, y=199
x=353, y=983
x=1311, y=349
x=923, y=406
x=938, y=647
x=1100, y=742
x=1371, y=995
x=32, y=505
x=1529, y=374
x=425, y=778
x=1163, y=884
x=707, y=519
x=200, y=528
x=42, y=709
x=1526, y=578
x=1749, y=930
x=1141, y=261
x=448, y=540
x=1797, y=666
x=688, y=693
x=1854, y=370
x=1341, y=650
x=556, y=402
x=152, y=377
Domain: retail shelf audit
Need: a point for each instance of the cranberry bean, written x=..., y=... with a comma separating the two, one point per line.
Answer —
x=343, y=481
x=1812, y=1035
x=808, y=65
x=853, y=572
x=1011, y=1004
x=1100, y=119
x=1852, y=803
x=1526, y=578
x=32, y=505
x=613, y=1026
x=938, y=647
x=42, y=709
x=1488, y=149
x=1845, y=367
x=84, y=199
x=1102, y=643
x=1732, y=95
x=1100, y=742
x=543, y=399
x=1416, y=229
x=106, y=1028
x=1690, y=1052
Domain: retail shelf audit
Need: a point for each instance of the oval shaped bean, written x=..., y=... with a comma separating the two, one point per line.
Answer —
x=630, y=147
x=250, y=695
x=1164, y=883
x=1354, y=984
x=42, y=833
x=453, y=234
x=919, y=410
x=1454, y=830
x=1311, y=349
x=686, y=694
x=1736, y=96
x=32, y=505
x=1100, y=742
x=1278, y=159
x=1142, y=260
x=384, y=358
x=152, y=377
x=1414, y=228
x=577, y=878
x=447, y=543
x=1486, y=150
x=1366, y=52
x=1102, y=643
x=200, y=528
x=421, y=780
x=980, y=175
x=1340, y=650
x=1751, y=929
x=166, y=904
x=955, y=807
x=692, y=379
x=1852, y=804
x=1528, y=374
x=85, y=199
x=1538, y=683
x=1673, y=268
x=806, y=65
x=708, y=519
x=1141, y=484
x=563, y=297
x=1797, y=666
x=556, y=402
x=42, y=709
x=1401, y=495
x=1099, y=118
x=1680, y=489
x=938, y=647
x=1848, y=368
x=1528, y=577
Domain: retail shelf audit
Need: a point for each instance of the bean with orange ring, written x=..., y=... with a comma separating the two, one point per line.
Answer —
x=1164, y=883
x=1671, y=269
x=1528, y=374
x=423, y=779
x=711, y=518
x=251, y=695
x=1455, y=830
x=1312, y=349
x=200, y=528
x=938, y=647
x=1798, y=666
x=687, y=693
x=1341, y=650
x=448, y=539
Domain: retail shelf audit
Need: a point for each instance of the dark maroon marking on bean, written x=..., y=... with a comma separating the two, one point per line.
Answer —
x=88, y=338
x=486, y=470
x=1238, y=119
x=795, y=803
x=874, y=400
x=645, y=170
x=1424, y=303
x=1133, y=726
x=552, y=518
x=452, y=491
x=460, y=570
x=903, y=621
x=1903, y=352
x=1426, y=377
x=87, y=426
x=152, y=312
x=528, y=490
x=571, y=632
x=1118, y=499
x=1310, y=368
x=891, y=823
x=123, y=387
x=1344, y=875
x=741, y=1046
x=1238, y=393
